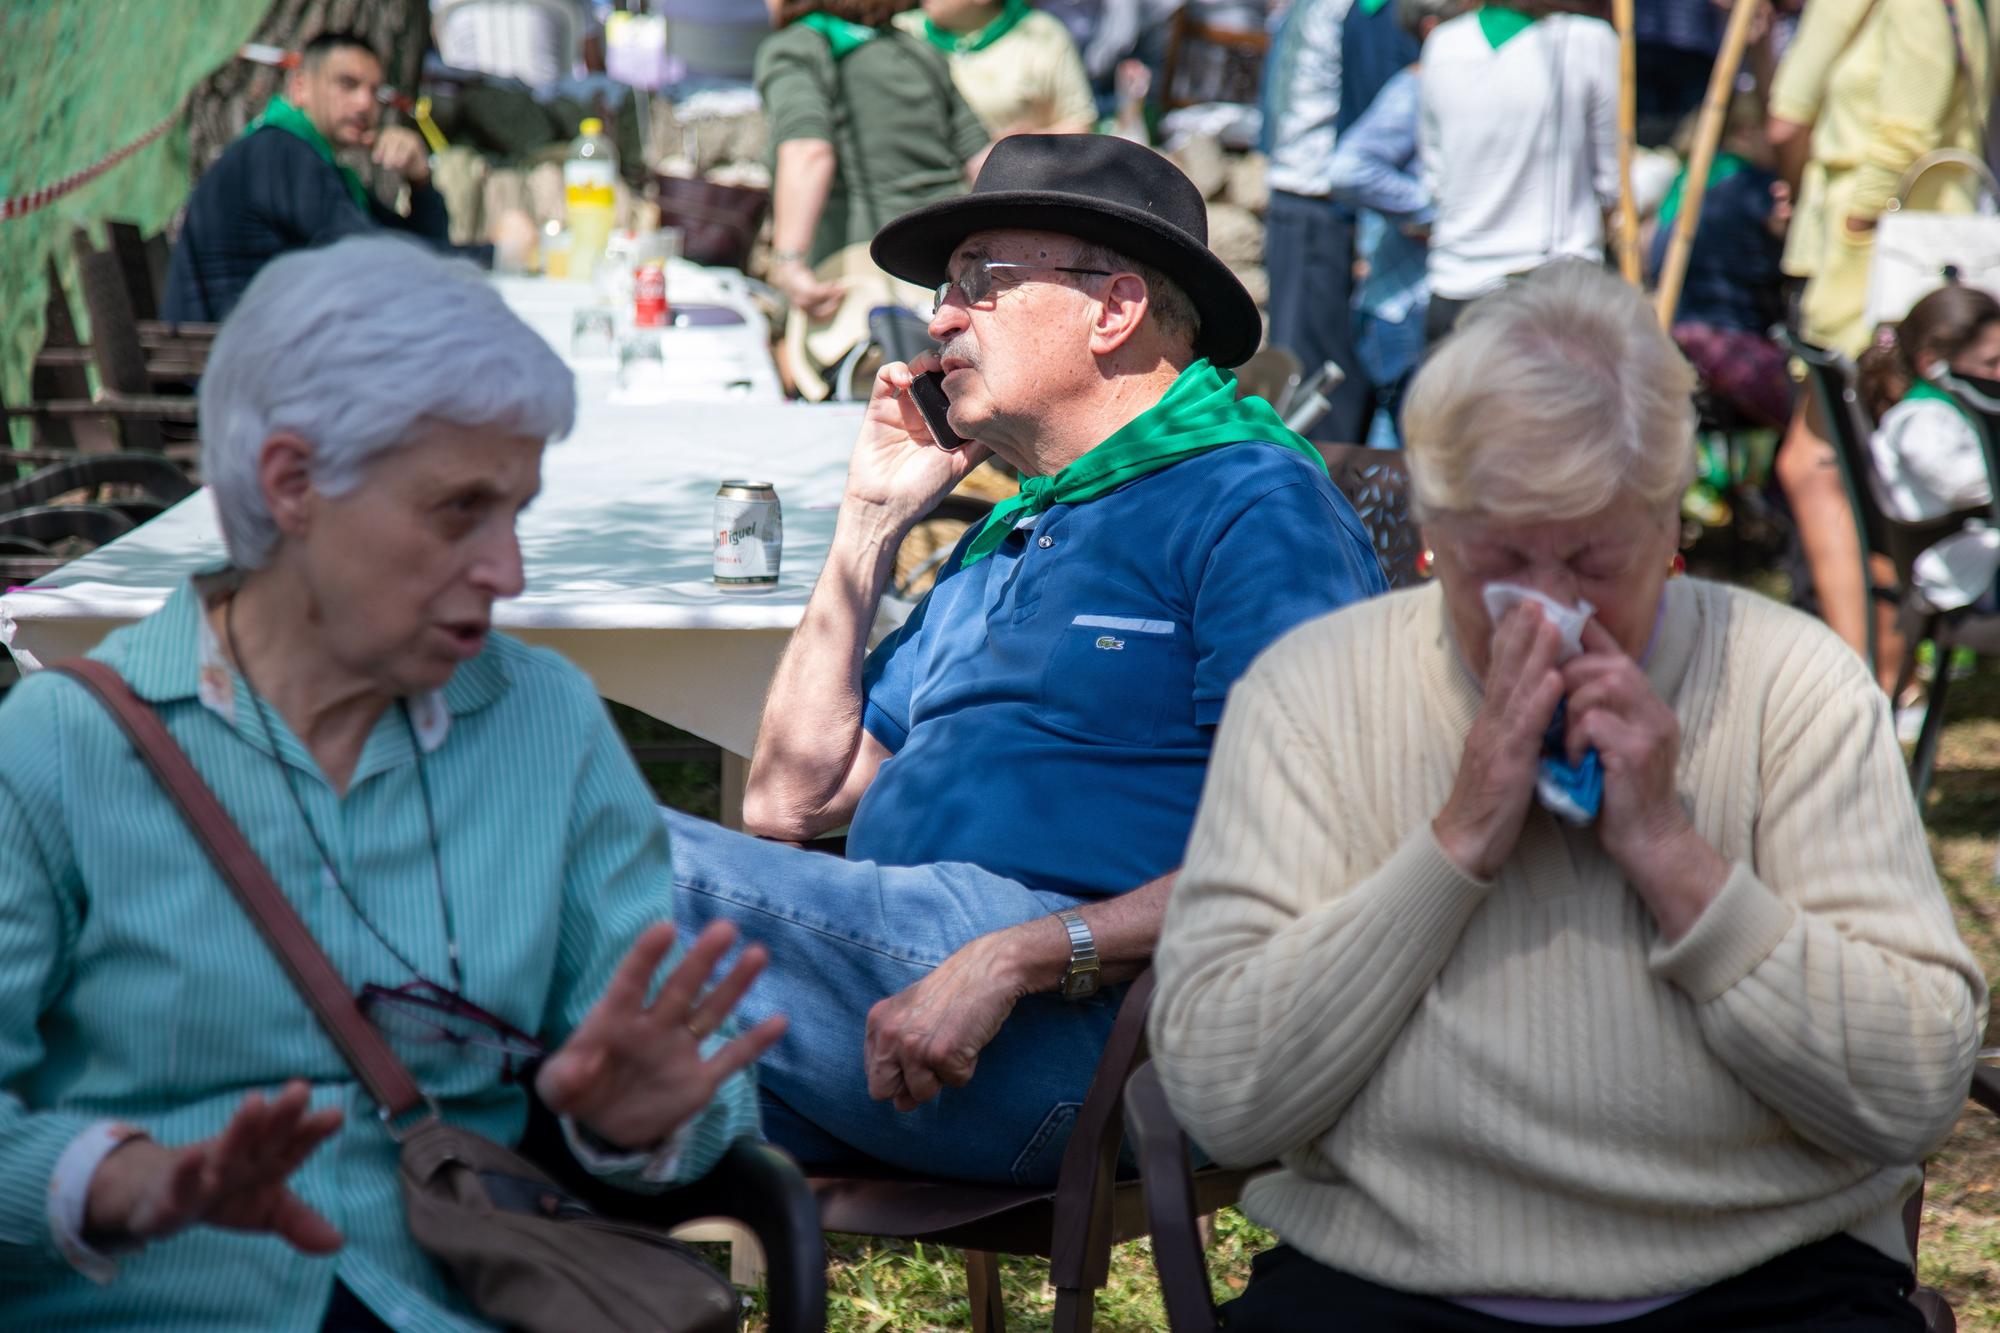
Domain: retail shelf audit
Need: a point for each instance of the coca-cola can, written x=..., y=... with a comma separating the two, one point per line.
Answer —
x=649, y=296
x=749, y=536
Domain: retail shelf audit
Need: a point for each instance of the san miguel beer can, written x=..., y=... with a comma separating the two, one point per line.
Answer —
x=749, y=535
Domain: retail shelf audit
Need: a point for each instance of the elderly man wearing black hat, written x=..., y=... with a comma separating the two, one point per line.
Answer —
x=1018, y=766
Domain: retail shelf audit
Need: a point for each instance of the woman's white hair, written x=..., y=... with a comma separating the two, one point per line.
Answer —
x=353, y=348
x=1553, y=397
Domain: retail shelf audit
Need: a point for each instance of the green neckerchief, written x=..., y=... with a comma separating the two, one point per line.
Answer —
x=1370, y=7
x=1199, y=412
x=1720, y=170
x=1502, y=24
x=841, y=35
x=282, y=115
x=963, y=43
x=1921, y=388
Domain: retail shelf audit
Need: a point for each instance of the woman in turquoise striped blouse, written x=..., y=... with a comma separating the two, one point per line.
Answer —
x=450, y=812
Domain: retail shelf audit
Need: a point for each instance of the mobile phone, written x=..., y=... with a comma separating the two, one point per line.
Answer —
x=927, y=392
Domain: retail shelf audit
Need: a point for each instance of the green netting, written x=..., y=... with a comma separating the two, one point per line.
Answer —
x=78, y=81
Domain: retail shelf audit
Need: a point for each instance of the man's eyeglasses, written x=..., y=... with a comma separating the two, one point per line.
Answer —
x=423, y=1011
x=976, y=283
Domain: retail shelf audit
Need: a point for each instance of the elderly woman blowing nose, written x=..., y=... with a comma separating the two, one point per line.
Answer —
x=1673, y=1067
x=451, y=814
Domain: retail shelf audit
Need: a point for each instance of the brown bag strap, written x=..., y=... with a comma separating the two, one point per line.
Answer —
x=363, y=1047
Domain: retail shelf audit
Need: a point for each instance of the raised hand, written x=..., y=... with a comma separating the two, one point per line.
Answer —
x=897, y=469
x=403, y=151
x=803, y=288
x=144, y=1191
x=1482, y=818
x=633, y=1072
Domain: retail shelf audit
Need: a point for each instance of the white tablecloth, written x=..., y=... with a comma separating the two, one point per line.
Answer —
x=703, y=362
x=617, y=551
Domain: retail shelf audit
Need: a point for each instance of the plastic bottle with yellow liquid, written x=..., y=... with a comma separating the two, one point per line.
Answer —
x=589, y=175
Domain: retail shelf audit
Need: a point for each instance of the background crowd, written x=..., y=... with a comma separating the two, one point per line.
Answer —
x=1411, y=211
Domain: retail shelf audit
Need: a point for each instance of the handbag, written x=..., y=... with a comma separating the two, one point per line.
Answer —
x=718, y=223
x=526, y=1252
x=1917, y=252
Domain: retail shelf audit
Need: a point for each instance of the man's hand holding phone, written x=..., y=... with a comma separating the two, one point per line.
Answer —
x=900, y=469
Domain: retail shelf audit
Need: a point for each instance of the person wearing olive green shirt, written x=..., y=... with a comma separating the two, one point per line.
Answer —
x=864, y=124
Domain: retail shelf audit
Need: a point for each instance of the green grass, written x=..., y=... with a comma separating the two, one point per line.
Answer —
x=890, y=1285
x=1960, y=1250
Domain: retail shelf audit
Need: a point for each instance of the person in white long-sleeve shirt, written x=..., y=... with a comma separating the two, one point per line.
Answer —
x=1927, y=454
x=1928, y=458
x=1519, y=140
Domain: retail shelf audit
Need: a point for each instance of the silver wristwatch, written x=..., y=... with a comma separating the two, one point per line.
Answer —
x=1080, y=980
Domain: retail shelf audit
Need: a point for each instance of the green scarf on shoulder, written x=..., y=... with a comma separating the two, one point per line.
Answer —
x=1724, y=166
x=1921, y=388
x=1502, y=24
x=282, y=115
x=961, y=43
x=841, y=35
x=1198, y=413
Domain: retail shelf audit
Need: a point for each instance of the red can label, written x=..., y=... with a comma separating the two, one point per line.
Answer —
x=649, y=296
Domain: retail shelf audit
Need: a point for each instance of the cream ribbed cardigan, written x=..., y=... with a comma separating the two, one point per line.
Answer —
x=1517, y=1088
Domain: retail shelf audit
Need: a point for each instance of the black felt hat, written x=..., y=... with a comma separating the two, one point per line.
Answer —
x=1097, y=188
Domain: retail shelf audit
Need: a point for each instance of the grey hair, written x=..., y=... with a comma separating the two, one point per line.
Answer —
x=353, y=348
x=1410, y=14
x=1553, y=397
x=1171, y=308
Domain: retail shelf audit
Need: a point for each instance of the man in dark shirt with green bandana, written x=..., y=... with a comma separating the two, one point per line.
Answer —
x=280, y=187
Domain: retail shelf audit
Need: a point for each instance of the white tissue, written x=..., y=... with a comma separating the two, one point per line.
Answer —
x=1569, y=621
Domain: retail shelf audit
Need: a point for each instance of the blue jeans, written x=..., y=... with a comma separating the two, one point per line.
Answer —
x=1309, y=254
x=845, y=934
x=1389, y=353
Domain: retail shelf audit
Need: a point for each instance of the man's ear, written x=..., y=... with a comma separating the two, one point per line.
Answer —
x=1120, y=314
x=284, y=475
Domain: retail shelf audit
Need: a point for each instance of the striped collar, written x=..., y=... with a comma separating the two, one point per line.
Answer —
x=174, y=654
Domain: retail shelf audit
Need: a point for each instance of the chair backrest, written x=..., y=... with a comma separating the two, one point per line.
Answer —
x=1377, y=483
x=1830, y=382
x=66, y=382
x=1081, y=1245
x=1273, y=374
x=114, y=339
x=1981, y=400
x=1170, y=1206
x=142, y=286
x=154, y=479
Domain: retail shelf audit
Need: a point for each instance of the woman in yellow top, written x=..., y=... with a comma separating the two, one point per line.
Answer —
x=1880, y=83
x=1015, y=65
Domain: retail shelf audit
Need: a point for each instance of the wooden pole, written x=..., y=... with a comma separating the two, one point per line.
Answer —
x=1628, y=131
x=1707, y=135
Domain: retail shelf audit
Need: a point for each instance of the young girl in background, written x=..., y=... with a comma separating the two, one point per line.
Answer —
x=1927, y=453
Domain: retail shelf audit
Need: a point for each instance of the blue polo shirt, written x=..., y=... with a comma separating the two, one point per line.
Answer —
x=1050, y=709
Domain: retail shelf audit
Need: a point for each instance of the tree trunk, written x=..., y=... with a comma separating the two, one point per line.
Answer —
x=232, y=97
